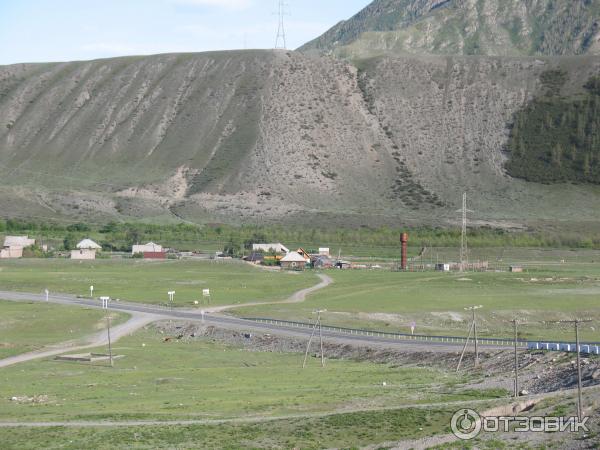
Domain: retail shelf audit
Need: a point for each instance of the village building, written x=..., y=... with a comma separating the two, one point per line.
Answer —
x=266, y=248
x=324, y=251
x=322, y=262
x=294, y=261
x=14, y=245
x=150, y=247
x=255, y=258
x=86, y=250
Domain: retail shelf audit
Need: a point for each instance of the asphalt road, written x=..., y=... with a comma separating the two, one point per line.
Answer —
x=233, y=323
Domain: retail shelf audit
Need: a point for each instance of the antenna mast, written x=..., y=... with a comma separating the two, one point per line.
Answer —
x=280, y=41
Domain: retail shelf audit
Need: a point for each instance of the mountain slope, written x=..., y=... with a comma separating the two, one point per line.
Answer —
x=273, y=136
x=466, y=27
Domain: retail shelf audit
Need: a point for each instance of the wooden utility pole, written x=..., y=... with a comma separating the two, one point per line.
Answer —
x=109, y=343
x=317, y=324
x=472, y=329
x=576, y=322
x=515, y=322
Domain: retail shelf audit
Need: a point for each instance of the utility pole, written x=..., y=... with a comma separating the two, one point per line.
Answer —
x=108, y=333
x=515, y=323
x=576, y=322
x=472, y=329
x=280, y=40
x=317, y=324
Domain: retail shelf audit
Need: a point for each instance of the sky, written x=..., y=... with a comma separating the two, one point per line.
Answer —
x=68, y=30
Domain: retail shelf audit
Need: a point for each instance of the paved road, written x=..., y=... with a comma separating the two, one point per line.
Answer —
x=233, y=323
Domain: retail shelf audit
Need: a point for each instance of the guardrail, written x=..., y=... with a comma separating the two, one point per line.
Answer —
x=503, y=342
x=587, y=347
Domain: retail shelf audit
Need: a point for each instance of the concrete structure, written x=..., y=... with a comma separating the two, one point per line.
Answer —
x=277, y=248
x=88, y=244
x=11, y=252
x=293, y=261
x=14, y=245
x=83, y=254
x=150, y=247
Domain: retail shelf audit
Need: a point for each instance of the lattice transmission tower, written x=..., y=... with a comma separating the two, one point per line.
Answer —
x=280, y=40
x=464, y=246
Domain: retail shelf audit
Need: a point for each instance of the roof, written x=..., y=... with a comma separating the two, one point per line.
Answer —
x=18, y=241
x=89, y=245
x=293, y=257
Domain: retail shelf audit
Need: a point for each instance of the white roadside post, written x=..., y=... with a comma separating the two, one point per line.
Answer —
x=105, y=301
x=91, y=291
x=47, y=292
x=202, y=315
x=412, y=327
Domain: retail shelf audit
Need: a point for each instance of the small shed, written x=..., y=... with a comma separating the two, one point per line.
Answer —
x=442, y=267
x=324, y=251
x=293, y=261
x=516, y=269
x=343, y=264
x=83, y=254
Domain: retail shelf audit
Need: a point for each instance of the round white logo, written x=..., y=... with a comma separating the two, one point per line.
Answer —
x=466, y=424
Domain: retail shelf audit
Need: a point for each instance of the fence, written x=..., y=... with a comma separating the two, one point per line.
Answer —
x=589, y=348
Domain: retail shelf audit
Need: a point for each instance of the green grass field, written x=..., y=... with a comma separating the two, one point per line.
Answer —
x=390, y=301
x=149, y=281
x=26, y=327
x=207, y=380
x=202, y=379
x=349, y=430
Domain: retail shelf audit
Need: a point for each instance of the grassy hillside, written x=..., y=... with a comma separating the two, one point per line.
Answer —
x=466, y=27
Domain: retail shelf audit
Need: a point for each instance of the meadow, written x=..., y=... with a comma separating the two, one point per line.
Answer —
x=203, y=379
x=26, y=327
x=149, y=281
x=546, y=292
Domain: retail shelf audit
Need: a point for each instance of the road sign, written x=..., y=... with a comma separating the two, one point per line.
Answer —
x=206, y=292
x=105, y=301
x=91, y=291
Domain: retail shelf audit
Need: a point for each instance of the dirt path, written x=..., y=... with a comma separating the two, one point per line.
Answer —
x=137, y=321
x=296, y=297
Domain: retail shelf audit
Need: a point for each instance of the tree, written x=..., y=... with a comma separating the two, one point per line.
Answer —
x=69, y=242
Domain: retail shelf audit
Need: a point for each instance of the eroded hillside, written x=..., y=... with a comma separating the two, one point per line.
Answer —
x=275, y=136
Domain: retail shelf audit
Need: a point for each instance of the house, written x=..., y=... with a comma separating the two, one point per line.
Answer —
x=293, y=261
x=150, y=247
x=303, y=253
x=18, y=241
x=14, y=245
x=266, y=248
x=86, y=250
